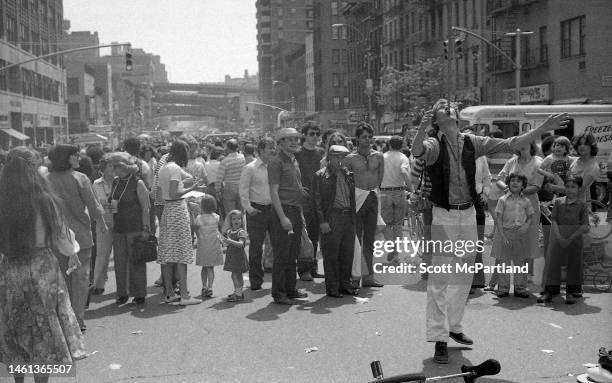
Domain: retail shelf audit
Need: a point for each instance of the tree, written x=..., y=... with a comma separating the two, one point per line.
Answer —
x=411, y=89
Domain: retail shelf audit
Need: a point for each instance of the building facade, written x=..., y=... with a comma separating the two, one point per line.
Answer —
x=282, y=26
x=564, y=60
x=32, y=95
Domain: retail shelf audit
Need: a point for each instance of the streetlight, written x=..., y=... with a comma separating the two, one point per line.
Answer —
x=369, y=84
x=290, y=92
x=517, y=64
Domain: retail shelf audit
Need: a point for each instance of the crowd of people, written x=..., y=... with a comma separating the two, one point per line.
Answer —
x=64, y=215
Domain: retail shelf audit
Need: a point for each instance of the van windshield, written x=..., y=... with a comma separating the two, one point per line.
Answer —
x=508, y=128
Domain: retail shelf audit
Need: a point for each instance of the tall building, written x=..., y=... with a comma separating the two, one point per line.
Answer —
x=32, y=96
x=282, y=26
x=566, y=58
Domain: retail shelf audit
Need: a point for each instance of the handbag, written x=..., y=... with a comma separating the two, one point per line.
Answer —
x=144, y=250
x=307, y=248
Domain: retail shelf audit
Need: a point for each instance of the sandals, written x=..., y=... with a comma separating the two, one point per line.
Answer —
x=206, y=292
x=350, y=291
x=235, y=298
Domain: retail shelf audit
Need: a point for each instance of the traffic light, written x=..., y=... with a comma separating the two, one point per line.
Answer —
x=459, y=48
x=128, y=61
x=445, y=43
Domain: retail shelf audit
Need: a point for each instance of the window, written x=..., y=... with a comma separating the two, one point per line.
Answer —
x=335, y=56
x=346, y=101
x=280, y=23
x=344, y=57
x=3, y=75
x=543, y=45
x=280, y=11
x=335, y=80
x=336, y=102
x=293, y=10
x=344, y=32
x=335, y=32
x=309, y=24
x=572, y=37
x=466, y=71
x=334, y=8
x=345, y=80
x=475, y=70
x=412, y=23
x=73, y=85
x=11, y=29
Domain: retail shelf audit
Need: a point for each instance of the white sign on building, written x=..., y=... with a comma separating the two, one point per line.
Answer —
x=529, y=94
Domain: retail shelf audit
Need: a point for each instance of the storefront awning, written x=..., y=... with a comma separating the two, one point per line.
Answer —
x=14, y=133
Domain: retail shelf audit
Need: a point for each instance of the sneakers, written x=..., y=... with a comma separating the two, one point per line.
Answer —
x=235, y=297
x=545, y=297
x=189, y=301
x=171, y=299
x=206, y=292
x=570, y=299
x=306, y=277
x=297, y=295
x=460, y=337
x=441, y=353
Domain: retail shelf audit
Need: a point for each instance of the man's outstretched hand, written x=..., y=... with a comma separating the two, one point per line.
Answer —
x=554, y=122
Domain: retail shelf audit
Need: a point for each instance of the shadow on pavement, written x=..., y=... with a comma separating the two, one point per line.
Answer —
x=578, y=308
x=514, y=303
x=152, y=308
x=456, y=360
x=271, y=312
x=324, y=304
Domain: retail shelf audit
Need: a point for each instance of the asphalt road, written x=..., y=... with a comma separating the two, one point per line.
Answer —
x=258, y=341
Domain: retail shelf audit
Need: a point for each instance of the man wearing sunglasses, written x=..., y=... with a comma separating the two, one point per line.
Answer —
x=368, y=167
x=309, y=158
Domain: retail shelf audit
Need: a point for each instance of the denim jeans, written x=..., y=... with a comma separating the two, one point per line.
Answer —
x=366, y=229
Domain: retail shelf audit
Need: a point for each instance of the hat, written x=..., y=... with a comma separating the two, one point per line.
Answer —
x=338, y=150
x=287, y=132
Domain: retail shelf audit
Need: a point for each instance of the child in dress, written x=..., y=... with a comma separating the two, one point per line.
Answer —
x=556, y=164
x=209, y=253
x=235, y=257
x=570, y=221
x=513, y=213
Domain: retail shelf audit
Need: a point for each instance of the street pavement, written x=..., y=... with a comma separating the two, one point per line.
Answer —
x=258, y=341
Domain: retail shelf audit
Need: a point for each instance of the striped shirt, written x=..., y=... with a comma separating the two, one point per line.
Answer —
x=419, y=173
x=231, y=167
x=157, y=195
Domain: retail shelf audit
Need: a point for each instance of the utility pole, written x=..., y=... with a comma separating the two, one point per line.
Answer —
x=517, y=65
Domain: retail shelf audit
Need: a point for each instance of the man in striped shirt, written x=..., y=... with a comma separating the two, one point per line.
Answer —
x=228, y=176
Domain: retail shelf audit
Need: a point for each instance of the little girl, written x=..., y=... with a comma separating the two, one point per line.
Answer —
x=569, y=222
x=209, y=253
x=235, y=256
x=513, y=213
x=556, y=164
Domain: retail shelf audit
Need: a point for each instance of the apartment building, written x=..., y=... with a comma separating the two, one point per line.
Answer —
x=566, y=58
x=32, y=95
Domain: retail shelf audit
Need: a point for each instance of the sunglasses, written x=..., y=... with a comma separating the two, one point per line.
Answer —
x=313, y=134
x=367, y=137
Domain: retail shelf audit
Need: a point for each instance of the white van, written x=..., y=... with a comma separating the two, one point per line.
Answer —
x=513, y=120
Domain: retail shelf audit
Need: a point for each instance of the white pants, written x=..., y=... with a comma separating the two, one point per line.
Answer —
x=447, y=293
x=104, y=247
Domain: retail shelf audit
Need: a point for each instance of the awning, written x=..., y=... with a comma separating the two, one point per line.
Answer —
x=570, y=101
x=14, y=133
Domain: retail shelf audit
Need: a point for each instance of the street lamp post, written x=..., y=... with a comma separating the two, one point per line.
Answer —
x=517, y=65
x=368, y=84
x=290, y=92
x=517, y=60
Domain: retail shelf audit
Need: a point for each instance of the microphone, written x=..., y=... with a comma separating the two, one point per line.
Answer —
x=488, y=367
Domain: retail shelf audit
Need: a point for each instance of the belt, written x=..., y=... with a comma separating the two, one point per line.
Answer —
x=260, y=205
x=453, y=206
x=394, y=188
x=342, y=211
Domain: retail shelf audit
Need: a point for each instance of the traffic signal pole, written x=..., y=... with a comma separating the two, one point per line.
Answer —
x=64, y=52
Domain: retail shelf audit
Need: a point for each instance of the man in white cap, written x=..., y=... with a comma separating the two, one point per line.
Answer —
x=334, y=195
x=286, y=193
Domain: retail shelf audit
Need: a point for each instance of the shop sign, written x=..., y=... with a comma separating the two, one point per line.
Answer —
x=529, y=94
x=44, y=120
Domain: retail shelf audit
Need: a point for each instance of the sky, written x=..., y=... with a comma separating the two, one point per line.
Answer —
x=198, y=40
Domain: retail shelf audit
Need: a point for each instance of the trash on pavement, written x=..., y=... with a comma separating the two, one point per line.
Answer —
x=378, y=333
x=311, y=349
x=547, y=351
x=555, y=325
x=114, y=366
x=361, y=300
x=137, y=332
x=589, y=365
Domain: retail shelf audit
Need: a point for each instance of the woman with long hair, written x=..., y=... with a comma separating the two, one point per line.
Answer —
x=78, y=203
x=175, y=240
x=38, y=323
